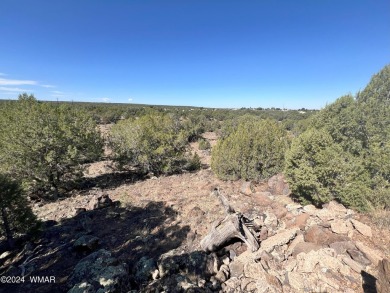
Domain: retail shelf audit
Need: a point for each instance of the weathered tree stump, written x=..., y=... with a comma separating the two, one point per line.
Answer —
x=232, y=226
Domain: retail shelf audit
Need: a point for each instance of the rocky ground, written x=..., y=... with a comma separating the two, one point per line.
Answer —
x=123, y=233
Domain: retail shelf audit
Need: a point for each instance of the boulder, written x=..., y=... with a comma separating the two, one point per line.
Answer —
x=324, y=258
x=298, y=222
x=198, y=264
x=278, y=185
x=86, y=243
x=320, y=235
x=279, y=210
x=336, y=207
x=298, y=239
x=144, y=270
x=362, y=228
x=310, y=209
x=341, y=226
x=100, y=270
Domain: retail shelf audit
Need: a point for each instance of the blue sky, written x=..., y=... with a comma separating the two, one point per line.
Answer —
x=291, y=54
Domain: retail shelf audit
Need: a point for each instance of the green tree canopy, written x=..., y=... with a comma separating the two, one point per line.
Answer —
x=153, y=143
x=45, y=144
x=253, y=149
x=357, y=132
x=16, y=215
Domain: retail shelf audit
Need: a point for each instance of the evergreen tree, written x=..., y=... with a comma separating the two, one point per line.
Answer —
x=254, y=150
x=45, y=144
x=153, y=143
x=16, y=215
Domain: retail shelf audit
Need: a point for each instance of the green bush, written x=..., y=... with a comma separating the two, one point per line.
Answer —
x=347, y=157
x=153, y=143
x=204, y=144
x=318, y=170
x=16, y=215
x=253, y=150
x=45, y=144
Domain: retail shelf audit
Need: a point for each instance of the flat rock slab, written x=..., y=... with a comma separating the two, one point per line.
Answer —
x=373, y=255
x=362, y=228
x=278, y=239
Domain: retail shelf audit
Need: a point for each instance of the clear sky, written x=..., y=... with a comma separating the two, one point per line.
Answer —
x=214, y=53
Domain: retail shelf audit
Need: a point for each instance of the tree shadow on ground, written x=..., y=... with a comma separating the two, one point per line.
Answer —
x=129, y=233
x=110, y=180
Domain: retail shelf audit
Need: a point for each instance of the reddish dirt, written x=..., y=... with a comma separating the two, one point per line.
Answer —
x=155, y=215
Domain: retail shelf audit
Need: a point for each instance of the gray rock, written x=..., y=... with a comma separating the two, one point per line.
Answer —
x=86, y=242
x=102, y=269
x=358, y=256
x=198, y=264
x=144, y=269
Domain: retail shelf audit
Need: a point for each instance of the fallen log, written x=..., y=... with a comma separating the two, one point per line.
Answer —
x=234, y=225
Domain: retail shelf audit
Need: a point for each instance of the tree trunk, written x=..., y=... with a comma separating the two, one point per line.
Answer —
x=232, y=226
x=7, y=228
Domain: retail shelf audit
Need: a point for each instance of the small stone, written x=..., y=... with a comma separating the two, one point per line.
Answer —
x=270, y=220
x=226, y=260
x=155, y=274
x=5, y=254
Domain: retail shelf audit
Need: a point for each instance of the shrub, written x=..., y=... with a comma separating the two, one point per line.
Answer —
x=16, y=215
x=356, y=133
x=194, y=163
x=45, y=144
x=153, y=143
x=318, y=170
x=254, y=150
x=204, y=144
